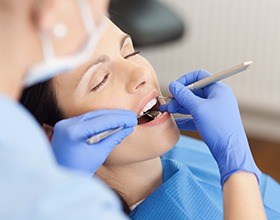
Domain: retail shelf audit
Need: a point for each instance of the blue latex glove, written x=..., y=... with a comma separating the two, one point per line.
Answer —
x=70, y=136
x=216, y=117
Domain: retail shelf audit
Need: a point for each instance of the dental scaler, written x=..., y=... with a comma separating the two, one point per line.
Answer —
x=194, y=86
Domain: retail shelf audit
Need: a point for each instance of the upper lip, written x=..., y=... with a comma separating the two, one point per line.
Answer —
x=144, y=101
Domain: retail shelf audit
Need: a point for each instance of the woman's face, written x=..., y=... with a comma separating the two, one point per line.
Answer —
x=117, y=78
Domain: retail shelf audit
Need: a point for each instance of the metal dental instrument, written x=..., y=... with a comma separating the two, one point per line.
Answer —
x=216, y=77
x=194, y=86
x=99, y=137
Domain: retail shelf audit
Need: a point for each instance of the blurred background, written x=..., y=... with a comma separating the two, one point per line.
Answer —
x=178, y=36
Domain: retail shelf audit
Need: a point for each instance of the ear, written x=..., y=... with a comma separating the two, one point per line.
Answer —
x=48, y=131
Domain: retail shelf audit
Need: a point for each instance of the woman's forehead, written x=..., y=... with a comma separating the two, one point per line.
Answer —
x=107, y=45
x=111, y=33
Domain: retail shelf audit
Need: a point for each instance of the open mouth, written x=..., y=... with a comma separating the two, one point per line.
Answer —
x=150, y=112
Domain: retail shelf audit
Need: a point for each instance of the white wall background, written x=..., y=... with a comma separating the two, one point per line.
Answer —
x=220, y=34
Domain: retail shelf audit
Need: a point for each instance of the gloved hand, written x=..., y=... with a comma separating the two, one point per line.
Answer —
x=69, y=142
x=216, y=117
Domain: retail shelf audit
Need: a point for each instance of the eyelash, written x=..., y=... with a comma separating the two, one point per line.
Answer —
x=107, y=76
x=132, y=54
x=101, y=83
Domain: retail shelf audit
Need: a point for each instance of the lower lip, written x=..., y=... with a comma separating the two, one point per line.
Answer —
x=163, y=118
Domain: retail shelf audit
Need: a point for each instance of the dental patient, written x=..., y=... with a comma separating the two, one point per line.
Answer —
x=118, y=77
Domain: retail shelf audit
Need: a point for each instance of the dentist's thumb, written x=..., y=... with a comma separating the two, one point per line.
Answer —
x=184, y=96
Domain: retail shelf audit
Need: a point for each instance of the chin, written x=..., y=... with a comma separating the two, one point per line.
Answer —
x=145, y=143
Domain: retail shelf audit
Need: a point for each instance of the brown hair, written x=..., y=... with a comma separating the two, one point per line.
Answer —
x=40, y=100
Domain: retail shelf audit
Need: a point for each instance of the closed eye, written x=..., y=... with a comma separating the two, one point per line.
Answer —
x=107, y=75
x=132, y=54
x=101, y=83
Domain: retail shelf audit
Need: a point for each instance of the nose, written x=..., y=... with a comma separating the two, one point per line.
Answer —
x=138, y=77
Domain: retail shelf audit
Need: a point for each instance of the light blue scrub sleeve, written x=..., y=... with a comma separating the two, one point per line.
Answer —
x=32, y=186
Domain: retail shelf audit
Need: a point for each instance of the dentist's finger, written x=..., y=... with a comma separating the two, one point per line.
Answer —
x=98, y=113
x=85, y=129
x=184, y=96
x=164, y=107
x=193, y=76
x=109, y=122
x=115, y=139
x=185, y=124
x=173, y=107
x=95, y=114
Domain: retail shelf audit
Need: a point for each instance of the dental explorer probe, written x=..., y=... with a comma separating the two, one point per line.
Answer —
x=221, y=75
x=194, y=86
x=217, y=77
x=99, y=137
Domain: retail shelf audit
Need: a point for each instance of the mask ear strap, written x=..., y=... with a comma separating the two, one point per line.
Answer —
x=86, y=15
x=48, y=50
x=87, y=18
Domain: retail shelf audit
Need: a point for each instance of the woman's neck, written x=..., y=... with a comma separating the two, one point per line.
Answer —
x=134, y=181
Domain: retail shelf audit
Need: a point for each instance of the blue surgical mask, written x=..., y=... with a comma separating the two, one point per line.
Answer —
x=52, y=65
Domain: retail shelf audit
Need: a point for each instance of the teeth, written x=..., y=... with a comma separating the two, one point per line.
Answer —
x=149, y=105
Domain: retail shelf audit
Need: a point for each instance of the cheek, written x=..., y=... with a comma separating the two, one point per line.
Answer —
x=77, y=105
x=72, y=107
x=153, y=75
x=111, y=99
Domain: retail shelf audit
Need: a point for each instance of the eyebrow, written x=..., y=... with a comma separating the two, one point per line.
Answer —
x=101, y=59
x=86, y=72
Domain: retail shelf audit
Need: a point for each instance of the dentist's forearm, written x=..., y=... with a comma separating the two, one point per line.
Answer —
x=242, y=199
